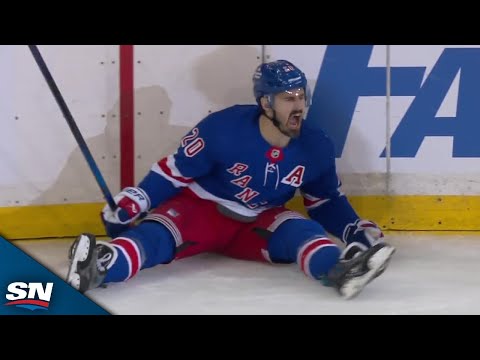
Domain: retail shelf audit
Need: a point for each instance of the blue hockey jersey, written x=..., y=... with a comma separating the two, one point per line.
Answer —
x=224, y=158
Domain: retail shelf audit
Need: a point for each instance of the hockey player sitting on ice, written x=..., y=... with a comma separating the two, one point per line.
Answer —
x=224, y=191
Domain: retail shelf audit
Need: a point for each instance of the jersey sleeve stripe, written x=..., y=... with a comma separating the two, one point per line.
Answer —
x=162, y=169
x=311, y=202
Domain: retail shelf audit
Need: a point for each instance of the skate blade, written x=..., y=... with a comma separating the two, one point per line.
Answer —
x=377, y=265
x=83, y=250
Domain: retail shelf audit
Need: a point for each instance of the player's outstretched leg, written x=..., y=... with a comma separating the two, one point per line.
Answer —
x=89, y=261
x=349, y=277
x=94, y=263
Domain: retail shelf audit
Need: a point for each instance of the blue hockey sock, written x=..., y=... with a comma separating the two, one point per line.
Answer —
x=305, y=242
x=146, y=245
x=317, y=256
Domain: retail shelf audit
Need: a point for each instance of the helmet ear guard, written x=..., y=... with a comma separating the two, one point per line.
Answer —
x=270, y=100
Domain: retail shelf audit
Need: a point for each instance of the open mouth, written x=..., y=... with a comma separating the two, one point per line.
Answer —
x=294, y=121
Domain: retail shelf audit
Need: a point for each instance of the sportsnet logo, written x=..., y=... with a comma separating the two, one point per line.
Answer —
x=37, y=297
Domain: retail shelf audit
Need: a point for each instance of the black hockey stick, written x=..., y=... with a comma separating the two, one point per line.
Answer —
x=73, y=126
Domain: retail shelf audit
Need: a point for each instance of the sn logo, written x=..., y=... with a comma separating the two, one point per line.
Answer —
x=37, y=297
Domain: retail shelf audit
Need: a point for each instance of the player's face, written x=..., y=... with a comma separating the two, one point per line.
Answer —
x=289, y=110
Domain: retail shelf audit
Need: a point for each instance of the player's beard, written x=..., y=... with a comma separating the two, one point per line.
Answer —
x=292, y=126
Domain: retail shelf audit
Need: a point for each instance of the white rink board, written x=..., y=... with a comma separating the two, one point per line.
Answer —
x=435, y=152
x=176, y=86
x=198, y=78
x=37, y=144
x=447, y=159
x=433, y=118
x=8, y=136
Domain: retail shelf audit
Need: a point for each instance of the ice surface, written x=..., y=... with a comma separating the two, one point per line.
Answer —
x=431, y=273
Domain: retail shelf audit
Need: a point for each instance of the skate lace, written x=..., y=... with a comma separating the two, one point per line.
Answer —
x=105, y=256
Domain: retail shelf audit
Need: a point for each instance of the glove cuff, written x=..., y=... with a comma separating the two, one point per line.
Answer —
x=364, y=231
x=139, y=196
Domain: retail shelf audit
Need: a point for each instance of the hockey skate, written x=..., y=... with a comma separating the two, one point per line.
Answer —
x=349, y=277
x=89, y=262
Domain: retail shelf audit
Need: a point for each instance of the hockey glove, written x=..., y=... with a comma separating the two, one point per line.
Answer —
x=132, y=203
x=360, y=236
